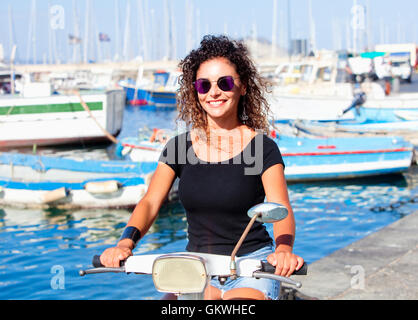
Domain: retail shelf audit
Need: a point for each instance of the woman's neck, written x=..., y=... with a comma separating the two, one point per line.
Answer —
x=223, y=125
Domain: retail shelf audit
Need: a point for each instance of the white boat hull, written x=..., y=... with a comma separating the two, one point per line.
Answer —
x=124, y=197
x=27, y=121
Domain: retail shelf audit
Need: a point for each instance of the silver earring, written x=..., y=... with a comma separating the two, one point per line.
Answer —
x=243, y=116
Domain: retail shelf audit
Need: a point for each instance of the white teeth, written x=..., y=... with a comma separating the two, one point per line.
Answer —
x=215, y=103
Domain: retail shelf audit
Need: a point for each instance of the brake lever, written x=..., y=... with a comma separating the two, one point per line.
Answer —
x=99, y=268
x=268, y=275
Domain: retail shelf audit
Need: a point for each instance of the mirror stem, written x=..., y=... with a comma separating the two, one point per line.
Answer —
x=233, y=266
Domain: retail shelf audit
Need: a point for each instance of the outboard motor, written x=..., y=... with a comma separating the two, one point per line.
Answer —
x=359, y=99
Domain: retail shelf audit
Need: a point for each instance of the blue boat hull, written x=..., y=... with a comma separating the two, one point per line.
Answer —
x=44, y=181
x=318, y=158
x=340, y=158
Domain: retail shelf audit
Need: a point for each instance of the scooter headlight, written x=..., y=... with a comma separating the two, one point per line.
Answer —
x=179, y=274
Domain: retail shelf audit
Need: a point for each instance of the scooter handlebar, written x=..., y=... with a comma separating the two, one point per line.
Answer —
x=267, y=267
x=98, y=264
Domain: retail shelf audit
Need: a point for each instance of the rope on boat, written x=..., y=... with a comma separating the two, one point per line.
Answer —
x=107, y=133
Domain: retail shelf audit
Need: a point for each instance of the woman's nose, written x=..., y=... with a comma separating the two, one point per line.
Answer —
x=214, y=90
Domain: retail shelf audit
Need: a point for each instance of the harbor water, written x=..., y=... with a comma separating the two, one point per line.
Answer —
x=41, y=251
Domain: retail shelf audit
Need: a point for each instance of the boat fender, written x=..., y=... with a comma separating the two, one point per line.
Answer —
x=54, y=195
x=102, y=187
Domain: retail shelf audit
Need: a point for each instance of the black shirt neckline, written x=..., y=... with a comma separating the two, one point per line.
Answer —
x=189, y=139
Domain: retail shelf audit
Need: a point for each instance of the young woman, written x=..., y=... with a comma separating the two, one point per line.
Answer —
x=226, y=164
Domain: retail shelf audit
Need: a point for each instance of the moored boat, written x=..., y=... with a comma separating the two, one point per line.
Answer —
x=161, y=92
x=44, y=181
x=60, y=119
x=314, y=158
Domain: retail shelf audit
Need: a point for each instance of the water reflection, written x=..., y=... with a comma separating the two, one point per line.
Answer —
x=329, y=216
x=95, y=227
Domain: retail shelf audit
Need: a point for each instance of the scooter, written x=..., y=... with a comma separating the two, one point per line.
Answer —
x=186, y=274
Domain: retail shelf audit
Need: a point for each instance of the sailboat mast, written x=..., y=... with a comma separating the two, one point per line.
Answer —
x=289, y=27
x=274, y=30
x=142, y=34
x=189, y=25
x=32, y=34
x=117, y=31
x=173, y=34
x=127, y=31
x=11, y=30
x=86, y=31
x=76, y=45
x=312, y=31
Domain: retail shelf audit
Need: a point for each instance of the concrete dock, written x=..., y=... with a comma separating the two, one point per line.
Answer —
x=381, y=266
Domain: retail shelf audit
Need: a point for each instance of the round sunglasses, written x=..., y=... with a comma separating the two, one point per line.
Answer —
x=225, y=83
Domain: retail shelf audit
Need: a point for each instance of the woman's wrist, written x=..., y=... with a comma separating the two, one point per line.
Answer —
x=283, y=248
x=126, y=243
x=130, y=237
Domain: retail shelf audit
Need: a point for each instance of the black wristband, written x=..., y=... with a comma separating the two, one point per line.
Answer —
x=131, y=233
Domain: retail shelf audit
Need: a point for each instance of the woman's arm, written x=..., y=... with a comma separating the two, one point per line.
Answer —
x=275, y=187
x=144, y=214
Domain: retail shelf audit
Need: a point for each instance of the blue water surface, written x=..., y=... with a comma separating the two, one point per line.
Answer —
x=41, y=251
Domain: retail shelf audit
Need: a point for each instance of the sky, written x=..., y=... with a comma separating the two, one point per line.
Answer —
x=41, y=28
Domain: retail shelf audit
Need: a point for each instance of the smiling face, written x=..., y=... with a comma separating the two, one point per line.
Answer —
x=220, y=106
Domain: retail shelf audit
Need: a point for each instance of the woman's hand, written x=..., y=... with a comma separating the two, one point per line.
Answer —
x=112, y=257
x=285, y=262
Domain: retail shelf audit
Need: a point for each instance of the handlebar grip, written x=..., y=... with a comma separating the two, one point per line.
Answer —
x=96, y=262
x=267, y=267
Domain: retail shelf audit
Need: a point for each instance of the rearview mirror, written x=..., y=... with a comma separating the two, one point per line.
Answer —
x=268, y=212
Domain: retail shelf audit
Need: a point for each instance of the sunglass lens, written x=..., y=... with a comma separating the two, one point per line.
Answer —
x=202, y=86
x=226, y=83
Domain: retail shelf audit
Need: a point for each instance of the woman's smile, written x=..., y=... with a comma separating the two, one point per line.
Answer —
x=216, y=103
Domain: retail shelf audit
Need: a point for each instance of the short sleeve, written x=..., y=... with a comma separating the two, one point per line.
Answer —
x=169, y=154
x=174, y=153
x=271, y=154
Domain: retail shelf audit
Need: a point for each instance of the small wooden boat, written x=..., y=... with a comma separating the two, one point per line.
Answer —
x=45, y=181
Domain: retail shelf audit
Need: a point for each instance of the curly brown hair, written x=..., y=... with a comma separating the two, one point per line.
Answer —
x=254, y=103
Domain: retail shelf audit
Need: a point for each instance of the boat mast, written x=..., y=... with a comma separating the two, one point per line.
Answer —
x=154, y=36
x=127, y=32
x=77, y=42
x=32, y=34
x=289, y=27
x=142, y=32
x=198, y=34
x=312, y=29
x=274, y=30
x=189, y=25
x=147, y=35
x=87, y=31
x=369, y=27
x=117, y=31
x=11, y=29
x=100, y=55
x=173, y=34
x=166, y=31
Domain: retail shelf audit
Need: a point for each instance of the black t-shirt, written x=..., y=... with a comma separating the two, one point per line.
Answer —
x=217, y=196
